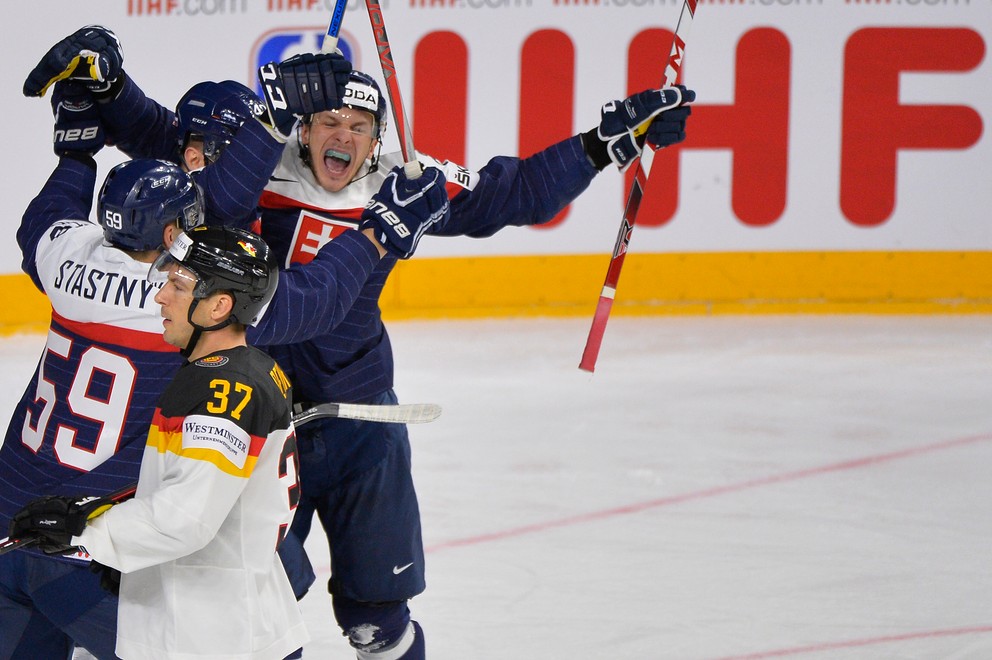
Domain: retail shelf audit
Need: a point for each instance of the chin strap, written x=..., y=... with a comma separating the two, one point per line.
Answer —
x=198, y=330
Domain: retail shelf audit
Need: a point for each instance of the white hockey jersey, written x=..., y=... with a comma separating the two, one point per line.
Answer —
x=197, y=545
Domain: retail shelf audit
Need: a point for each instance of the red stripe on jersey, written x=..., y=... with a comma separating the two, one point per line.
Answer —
x=110, y=334
x=271, y=200
x=257, y=442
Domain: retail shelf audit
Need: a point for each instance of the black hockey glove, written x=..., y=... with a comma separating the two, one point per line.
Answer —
x=405, y=208
x=110, y=578
x=91, y=54
x=54, y=520
x=656, y=116
x=314, y=82
x=78, y=130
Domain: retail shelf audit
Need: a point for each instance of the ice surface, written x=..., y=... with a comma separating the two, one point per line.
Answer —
x=725, y=487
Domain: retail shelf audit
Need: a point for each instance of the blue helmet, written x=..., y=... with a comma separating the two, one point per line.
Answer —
x=213, y=112
x=140, y=197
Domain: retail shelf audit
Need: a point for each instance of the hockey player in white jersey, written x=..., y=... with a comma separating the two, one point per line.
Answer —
x=218, y=483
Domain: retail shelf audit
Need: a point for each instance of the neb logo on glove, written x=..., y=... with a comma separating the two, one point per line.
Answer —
x=76, y=134
x=393, y=220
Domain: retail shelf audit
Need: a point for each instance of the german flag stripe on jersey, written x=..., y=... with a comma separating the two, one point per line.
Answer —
x=215, y=440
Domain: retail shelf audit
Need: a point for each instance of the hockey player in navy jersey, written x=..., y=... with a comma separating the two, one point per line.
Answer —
x=356, y=475
x=218, y=483
x=81, y=423
x=80, y=426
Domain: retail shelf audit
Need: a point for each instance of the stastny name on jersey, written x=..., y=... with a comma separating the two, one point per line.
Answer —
x=80, y=280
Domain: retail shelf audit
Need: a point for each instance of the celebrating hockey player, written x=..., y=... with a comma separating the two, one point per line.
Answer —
x=356, y=475
x=218, y=482
x=81, y=424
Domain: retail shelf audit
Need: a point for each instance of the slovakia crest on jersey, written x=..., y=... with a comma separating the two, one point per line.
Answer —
x=312, y=233
x=212, y=361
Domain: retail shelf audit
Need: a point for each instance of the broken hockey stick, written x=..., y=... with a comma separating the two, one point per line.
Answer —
x=406, y=413
x=403, y=128
x=641, y=172
x=8, y=544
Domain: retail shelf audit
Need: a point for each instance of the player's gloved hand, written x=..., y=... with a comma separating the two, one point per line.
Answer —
x=55, y=519
x=314, y=82
x=110, y=578
x=275, y=114
x=91, y=54
x=655, y=115
x=77, y=122
x=404, y=208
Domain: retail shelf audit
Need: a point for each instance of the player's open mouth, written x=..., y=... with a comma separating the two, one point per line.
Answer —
x=336, y=162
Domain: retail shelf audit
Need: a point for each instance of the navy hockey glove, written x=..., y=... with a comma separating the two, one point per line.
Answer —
x=314, y=82
x=275, y=114
x=625, y=125
x=77, y=122
x=91, y=54
x=54, y=520
x=405, y=208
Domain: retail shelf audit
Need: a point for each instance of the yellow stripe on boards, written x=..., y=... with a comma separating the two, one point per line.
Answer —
x=694, y=283
x=652, y=284
x=24, y=308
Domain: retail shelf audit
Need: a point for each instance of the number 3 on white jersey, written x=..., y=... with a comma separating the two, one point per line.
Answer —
x=110, y=413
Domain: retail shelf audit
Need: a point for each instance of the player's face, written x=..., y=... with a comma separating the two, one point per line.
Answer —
x=175, y=297
x=339, y=141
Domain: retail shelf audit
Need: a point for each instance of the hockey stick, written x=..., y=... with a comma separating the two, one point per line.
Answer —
x=408, y=413
x=330, y=42
x=8, y=544
x=411, y=164
x=641, y=172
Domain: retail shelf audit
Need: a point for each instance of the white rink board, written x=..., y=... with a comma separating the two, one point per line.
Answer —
x=942, y=196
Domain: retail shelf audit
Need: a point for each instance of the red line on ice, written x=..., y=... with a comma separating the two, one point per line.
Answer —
x=638, y=507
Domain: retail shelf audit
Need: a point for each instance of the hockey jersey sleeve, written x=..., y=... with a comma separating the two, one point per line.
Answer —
x=312, y=299
x=137, y=125
x=234, y=183
x=520, y=191
x=67, y=195
x=142, y=128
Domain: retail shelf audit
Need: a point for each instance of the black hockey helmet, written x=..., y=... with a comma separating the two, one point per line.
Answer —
x=229, y=260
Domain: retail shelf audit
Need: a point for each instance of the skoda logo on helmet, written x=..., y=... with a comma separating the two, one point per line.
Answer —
x=359, y=95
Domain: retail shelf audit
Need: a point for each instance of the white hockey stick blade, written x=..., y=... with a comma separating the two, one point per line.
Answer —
x=405, y=413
